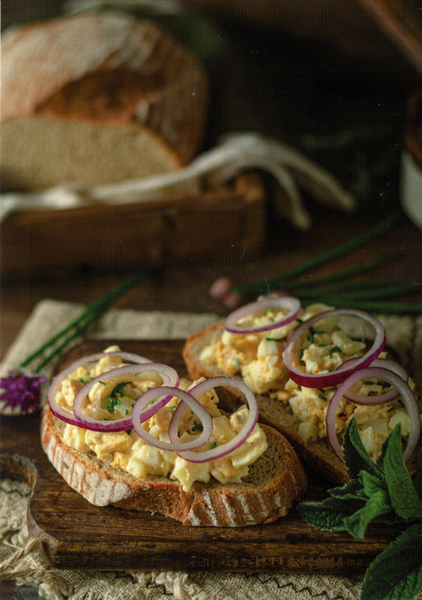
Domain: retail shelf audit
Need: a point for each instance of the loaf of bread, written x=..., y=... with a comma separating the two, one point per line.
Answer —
x=97, y=98
x=276, y=481
x=316, y=454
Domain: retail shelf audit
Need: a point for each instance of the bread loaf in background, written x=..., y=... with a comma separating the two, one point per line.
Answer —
x=97, y=98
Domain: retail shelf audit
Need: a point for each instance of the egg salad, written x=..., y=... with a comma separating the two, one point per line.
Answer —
x=257, y=358
x=113, y=400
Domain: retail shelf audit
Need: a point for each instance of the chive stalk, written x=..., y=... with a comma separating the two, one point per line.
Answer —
x=365, y=290
x=372, y=306
x=325, y=257
x=91, y=314
x=346, y=274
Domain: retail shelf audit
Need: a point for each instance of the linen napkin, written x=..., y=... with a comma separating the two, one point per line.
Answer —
x=19, y=556
x=236, y=153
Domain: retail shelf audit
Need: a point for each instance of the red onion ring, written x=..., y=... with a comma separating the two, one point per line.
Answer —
x=168, y=374
x=139, y=415
x=322, y=380
x=279, y=302
x=238, y=440
x=65, y=414
x=385, y=363
x=405, y=392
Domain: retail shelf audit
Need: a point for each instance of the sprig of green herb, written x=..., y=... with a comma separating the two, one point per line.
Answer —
x=376, y=307
x=377, y=492
x=341, y=288
x=328, y=256
x=362, y=290
x=21, y=389
x=346, y=274
x=92, y=313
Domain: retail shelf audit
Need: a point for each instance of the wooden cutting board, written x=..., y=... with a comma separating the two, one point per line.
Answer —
x=77, y=535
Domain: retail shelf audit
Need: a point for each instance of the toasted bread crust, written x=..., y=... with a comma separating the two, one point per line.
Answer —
x=259, y=499
x=318, y=455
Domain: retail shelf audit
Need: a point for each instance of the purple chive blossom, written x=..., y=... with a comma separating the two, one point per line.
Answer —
x=23, y=390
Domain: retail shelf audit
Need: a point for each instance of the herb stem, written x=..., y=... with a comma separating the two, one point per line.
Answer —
x=366, y=267
x=328, y=256
x=381, y=307
x=365, y=290
x=91, y=314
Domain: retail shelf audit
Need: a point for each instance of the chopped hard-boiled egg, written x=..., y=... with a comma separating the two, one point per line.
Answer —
x=113, y=400
x=257, y=359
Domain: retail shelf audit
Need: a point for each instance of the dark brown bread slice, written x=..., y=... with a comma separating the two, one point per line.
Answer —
x=276, y=481
x=318, y=455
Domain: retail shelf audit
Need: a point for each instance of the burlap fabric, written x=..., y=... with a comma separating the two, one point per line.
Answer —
x=19, y=557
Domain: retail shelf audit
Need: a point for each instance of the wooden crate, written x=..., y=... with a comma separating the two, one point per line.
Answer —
x=215, y=227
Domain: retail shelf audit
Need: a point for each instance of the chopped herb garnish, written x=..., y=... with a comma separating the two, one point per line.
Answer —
x=322, y=397
x=112, y=403
x=197, y=426
x=273, y=339
x=118, y=389
x=171, y=407
x=213, y=445
x=312, y=332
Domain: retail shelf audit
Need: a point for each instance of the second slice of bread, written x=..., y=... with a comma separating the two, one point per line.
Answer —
x=318, y=455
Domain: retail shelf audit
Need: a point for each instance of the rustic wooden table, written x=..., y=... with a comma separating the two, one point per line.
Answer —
x=185, y=287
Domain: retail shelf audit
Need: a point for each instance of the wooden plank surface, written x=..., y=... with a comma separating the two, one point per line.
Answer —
x=77, y=535
x=100, y=237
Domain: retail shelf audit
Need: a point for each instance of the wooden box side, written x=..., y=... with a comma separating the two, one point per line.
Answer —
x=223, y=225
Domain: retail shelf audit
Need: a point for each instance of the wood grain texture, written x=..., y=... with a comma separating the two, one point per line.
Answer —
x=189, y=230
x=76, y=535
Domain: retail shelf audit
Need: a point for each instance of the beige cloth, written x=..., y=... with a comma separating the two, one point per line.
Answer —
x=19, y=557
x=211, y=170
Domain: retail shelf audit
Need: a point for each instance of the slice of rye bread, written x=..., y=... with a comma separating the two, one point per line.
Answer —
x=318, y=455
x=276, y=481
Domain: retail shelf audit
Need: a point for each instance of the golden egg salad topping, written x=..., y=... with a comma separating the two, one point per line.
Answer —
x=113, y=400
x=257, y=358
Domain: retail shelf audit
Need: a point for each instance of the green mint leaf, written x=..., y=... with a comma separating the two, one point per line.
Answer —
x=351, y=490
x=378, y=504
x=417, y=477
x=396, y=574
x=329, y=514
x=356, y=457
x=371, y=483
x=404, y=497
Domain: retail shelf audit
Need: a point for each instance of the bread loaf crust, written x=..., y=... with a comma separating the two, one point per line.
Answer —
x=106, y=69
x=212, y=504
x=318, y=455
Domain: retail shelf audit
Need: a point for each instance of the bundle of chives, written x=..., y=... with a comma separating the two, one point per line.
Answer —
x=340, y=288
x=322, y=259
x=21, y=388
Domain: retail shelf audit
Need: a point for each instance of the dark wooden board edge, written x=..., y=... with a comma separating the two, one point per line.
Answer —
x=76, y=535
